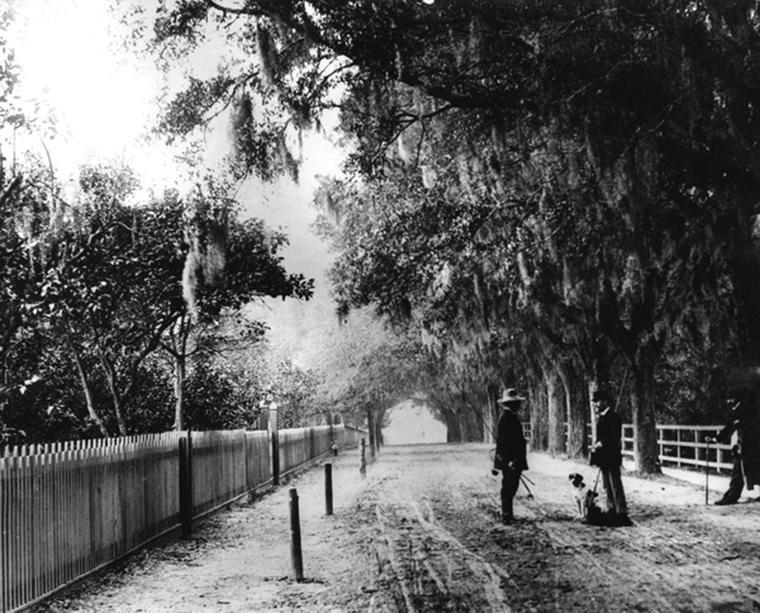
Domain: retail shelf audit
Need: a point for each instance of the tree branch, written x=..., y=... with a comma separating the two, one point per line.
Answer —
x=245, y=10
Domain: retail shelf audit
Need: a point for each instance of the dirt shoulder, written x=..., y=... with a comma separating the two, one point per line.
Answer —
x=419, y=533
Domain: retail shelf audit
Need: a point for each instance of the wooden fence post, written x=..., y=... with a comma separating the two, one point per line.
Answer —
x=273, y=428
x=328, y=489
x=186, y=484
x=678, y=447
x=295, y=536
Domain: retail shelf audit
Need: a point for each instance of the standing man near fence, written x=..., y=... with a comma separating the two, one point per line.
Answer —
x=510, y=456
x=743, y=433
x=607, y=454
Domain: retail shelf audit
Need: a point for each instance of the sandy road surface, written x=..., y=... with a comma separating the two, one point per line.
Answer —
x=419, y=533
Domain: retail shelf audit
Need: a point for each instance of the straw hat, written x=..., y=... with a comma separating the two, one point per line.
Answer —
x=510, y=395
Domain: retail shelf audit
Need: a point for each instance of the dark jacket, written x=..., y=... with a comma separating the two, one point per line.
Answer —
x=510, y=442
x=609, y=432
x=746, y=447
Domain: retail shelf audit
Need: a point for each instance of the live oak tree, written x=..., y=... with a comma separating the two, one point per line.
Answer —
x=655, y=99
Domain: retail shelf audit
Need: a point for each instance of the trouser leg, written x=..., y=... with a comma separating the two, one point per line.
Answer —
x=510, y=481
x=613, y=487
x=736, y=485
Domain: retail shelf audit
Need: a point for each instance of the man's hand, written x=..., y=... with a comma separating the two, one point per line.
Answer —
x=711, y=439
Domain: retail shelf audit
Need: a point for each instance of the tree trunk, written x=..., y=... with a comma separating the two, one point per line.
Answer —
x=453, y=427
x=180, y=374
x=491, y=413
x=473, y=425
x=538, y=419
x=372, y=432
x=379, y=420
x=578, y=414
x=118, y=409
x=645, y=447
x=90, y=402
x=118, y=398
x=556, y=403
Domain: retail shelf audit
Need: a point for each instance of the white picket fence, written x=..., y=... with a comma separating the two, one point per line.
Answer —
x=69, y=509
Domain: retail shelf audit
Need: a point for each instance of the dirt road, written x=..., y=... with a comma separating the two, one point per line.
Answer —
x=419, y=533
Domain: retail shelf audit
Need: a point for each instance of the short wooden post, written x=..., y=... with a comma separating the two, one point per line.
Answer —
x=274, y=430
x=363, y=461
x=275, y=458
x=295, y=536
x=186, y=485
x=328, y=489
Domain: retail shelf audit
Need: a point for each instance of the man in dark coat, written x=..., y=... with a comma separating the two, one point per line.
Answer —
x=511, y=452
x=743, y=432
x=607, y=455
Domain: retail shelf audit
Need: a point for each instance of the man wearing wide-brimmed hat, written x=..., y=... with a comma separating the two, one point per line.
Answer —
x=511, y=452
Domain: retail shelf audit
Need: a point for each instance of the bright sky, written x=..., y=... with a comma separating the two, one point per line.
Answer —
x=104, y=100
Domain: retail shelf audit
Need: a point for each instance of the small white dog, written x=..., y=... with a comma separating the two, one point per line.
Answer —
x=583, y=496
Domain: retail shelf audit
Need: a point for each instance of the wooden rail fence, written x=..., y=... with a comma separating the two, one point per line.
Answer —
x=679, y=446
x=686, y=447
x=69, y=509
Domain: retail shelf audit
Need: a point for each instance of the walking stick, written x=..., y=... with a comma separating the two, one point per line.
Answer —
x=596, y=482
x=522, y=476
x=522, y=480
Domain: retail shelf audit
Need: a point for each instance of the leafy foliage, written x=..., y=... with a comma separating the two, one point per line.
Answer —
x=189, y=109
x=101, y=286
x=215, y=402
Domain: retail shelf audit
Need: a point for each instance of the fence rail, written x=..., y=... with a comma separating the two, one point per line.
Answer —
x=69, y=509
x=686, y=446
